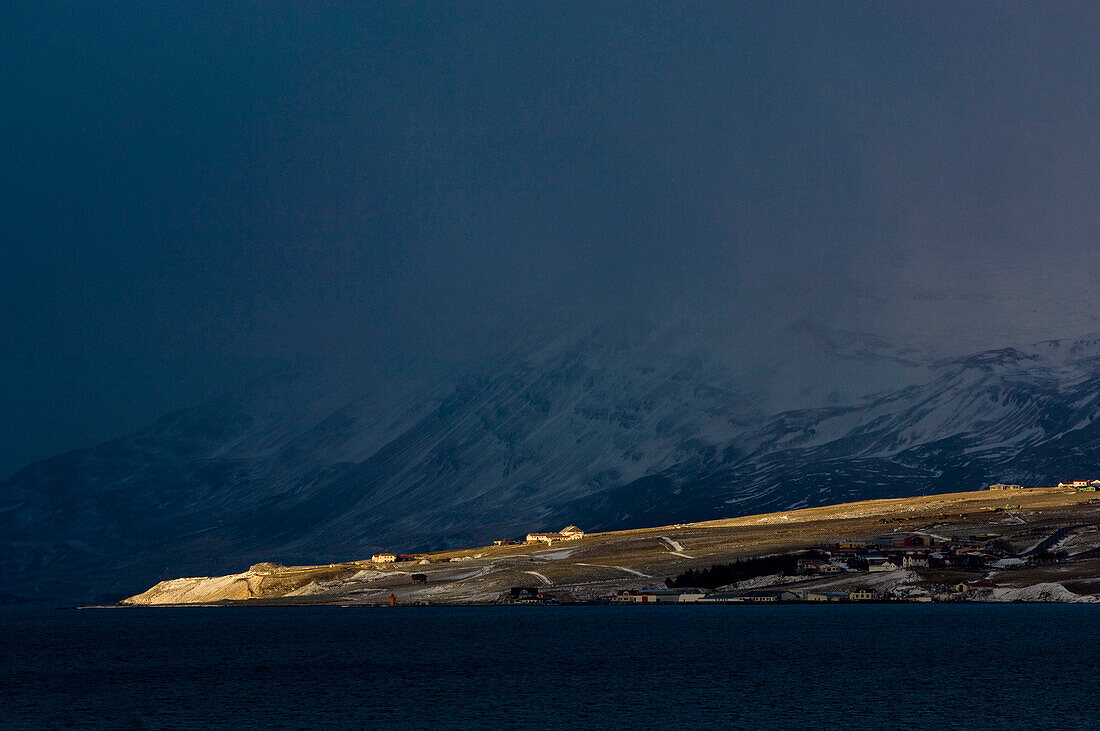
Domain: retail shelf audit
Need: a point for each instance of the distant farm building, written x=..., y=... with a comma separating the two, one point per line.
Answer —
x=1082, y=485
x=384, y=557
x=568, y=533
x=544, y=537
x=806, y=566
x=1002, y=486
x=877, y=562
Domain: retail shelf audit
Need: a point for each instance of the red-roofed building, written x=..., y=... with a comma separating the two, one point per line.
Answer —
x=568, y=533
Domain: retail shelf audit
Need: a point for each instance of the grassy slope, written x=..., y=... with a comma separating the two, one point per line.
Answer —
x=601, y=563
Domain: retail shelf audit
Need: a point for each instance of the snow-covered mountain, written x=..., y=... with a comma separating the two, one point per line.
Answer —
x=606, y=429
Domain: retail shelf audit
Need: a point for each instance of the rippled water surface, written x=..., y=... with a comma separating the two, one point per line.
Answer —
x=969, y=666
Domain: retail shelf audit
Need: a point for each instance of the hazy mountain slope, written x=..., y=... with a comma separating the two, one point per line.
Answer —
x=1024, y=415
x=602, y=429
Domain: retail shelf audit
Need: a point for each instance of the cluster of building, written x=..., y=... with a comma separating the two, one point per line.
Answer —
x=912, y=551
x=568, y=533
x=1082, y=485
x=957, y=592
x=765, y=596
x=891, y=552
x=1079, y=485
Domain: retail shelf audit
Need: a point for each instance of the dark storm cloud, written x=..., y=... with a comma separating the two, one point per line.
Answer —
x=194, y=191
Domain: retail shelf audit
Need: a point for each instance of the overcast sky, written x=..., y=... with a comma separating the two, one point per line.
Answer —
x=194, y=192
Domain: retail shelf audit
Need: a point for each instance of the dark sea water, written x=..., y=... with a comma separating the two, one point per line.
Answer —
x=872, y=666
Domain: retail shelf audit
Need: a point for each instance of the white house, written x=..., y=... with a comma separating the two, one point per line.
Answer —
x=878, y=566
x=568, y=533
x=915, y=561
x=571, y=532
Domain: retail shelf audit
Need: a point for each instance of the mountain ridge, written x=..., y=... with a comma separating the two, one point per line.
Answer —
x=622, y=434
